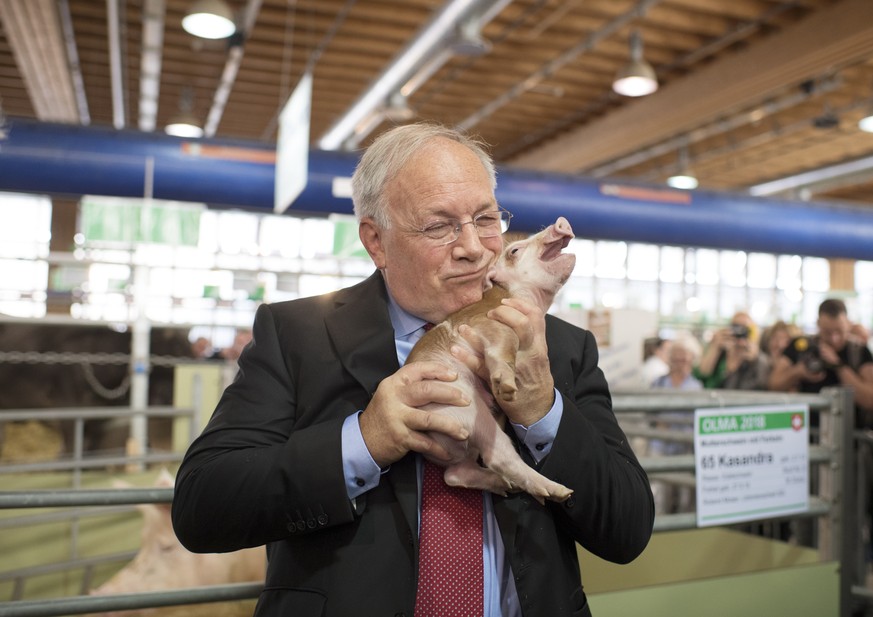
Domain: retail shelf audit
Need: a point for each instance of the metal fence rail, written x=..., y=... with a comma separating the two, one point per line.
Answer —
x=80, y=605
x=78, y=416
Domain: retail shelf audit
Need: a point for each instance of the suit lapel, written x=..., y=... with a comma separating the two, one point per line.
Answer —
x=361, y=331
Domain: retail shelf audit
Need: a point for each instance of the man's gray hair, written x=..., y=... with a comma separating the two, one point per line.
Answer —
x=387, y=155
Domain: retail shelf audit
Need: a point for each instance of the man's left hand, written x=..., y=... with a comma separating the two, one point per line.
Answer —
x=533, y=377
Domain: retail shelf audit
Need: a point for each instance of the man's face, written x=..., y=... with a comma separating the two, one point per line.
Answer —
x=444, y=180
x=834, y=330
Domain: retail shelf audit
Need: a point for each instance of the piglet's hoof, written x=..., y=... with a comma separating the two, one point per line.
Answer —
x=504, y=389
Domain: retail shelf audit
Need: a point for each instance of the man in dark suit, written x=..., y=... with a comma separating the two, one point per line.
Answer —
x=315, y=449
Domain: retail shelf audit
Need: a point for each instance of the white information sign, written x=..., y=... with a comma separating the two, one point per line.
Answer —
x=752, y=463
x=292, y=146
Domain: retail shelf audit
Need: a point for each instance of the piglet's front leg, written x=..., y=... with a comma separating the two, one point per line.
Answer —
x=498, y=345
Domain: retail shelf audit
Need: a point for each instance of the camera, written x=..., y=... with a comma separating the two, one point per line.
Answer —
x=811, y=358
x=739, y=330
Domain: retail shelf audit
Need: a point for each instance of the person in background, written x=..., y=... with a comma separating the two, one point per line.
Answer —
x=669, y=496
x=732, y=360
x=316, y=447
x=201, y=348
x=232, y=353
x=776, y=338
x=656, y=350
x=681, y=364
x=830, y=358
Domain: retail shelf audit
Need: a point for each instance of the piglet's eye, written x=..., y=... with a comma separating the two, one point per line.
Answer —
x=513, y=250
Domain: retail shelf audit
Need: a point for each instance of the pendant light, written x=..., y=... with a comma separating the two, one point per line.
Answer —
x=638, y=77
x=209, y=19
x=184, y=123
x=684, y=179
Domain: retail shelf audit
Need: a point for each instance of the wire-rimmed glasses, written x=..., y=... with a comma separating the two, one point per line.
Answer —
x=487, y=224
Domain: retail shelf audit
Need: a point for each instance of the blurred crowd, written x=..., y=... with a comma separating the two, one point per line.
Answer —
x=745, y=356
x=779, y=357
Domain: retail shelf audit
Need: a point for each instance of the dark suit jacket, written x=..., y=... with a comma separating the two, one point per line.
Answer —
x=268, y=470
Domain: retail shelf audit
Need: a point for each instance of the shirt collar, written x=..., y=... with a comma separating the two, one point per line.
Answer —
x=404, y=322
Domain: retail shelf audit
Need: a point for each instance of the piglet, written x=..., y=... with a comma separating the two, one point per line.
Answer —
x=534, y=270
x=162, y=563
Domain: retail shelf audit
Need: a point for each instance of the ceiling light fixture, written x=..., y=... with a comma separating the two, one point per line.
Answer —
x=209, y=19
x=185, y=124
x=638, y=77
x=684, y=179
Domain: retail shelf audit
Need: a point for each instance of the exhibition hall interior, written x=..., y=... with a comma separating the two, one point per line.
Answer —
x=167, y=167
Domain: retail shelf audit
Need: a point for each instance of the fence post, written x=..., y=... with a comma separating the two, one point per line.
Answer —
x=843, y=519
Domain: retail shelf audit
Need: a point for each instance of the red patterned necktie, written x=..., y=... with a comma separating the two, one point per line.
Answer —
x=450, y=553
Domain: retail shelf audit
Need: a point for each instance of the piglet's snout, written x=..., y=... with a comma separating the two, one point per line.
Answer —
x=562, y=230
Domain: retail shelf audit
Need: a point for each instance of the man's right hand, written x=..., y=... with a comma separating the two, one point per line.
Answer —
x=393, y=425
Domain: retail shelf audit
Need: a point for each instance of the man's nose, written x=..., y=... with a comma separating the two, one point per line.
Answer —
x=469, y=240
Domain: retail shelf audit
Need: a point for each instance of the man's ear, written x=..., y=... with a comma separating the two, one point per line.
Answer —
x=371, y=237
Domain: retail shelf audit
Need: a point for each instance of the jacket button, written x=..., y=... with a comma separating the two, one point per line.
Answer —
x=292, y=527
x=322, y=520
x=301, y=526
x=311, y=523
x=571, y=501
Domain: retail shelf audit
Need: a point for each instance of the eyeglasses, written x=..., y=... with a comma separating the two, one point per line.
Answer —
x=487, y=224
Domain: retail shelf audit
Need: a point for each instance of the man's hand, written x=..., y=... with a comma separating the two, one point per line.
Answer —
x=829, y=355
x=392, y=425
x=533, y=376
x=723, y=339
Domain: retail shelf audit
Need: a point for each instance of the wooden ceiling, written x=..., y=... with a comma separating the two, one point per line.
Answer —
x=751, y=91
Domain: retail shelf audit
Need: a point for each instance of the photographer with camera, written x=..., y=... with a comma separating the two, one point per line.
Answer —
x=831, y=358
x=732, y=360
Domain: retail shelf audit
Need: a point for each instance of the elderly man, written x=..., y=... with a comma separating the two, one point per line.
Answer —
x=315, y=449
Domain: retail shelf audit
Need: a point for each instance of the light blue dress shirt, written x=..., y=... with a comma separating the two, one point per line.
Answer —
x=363, y=474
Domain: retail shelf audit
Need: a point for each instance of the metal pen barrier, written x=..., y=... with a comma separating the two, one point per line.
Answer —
x=836, y=506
